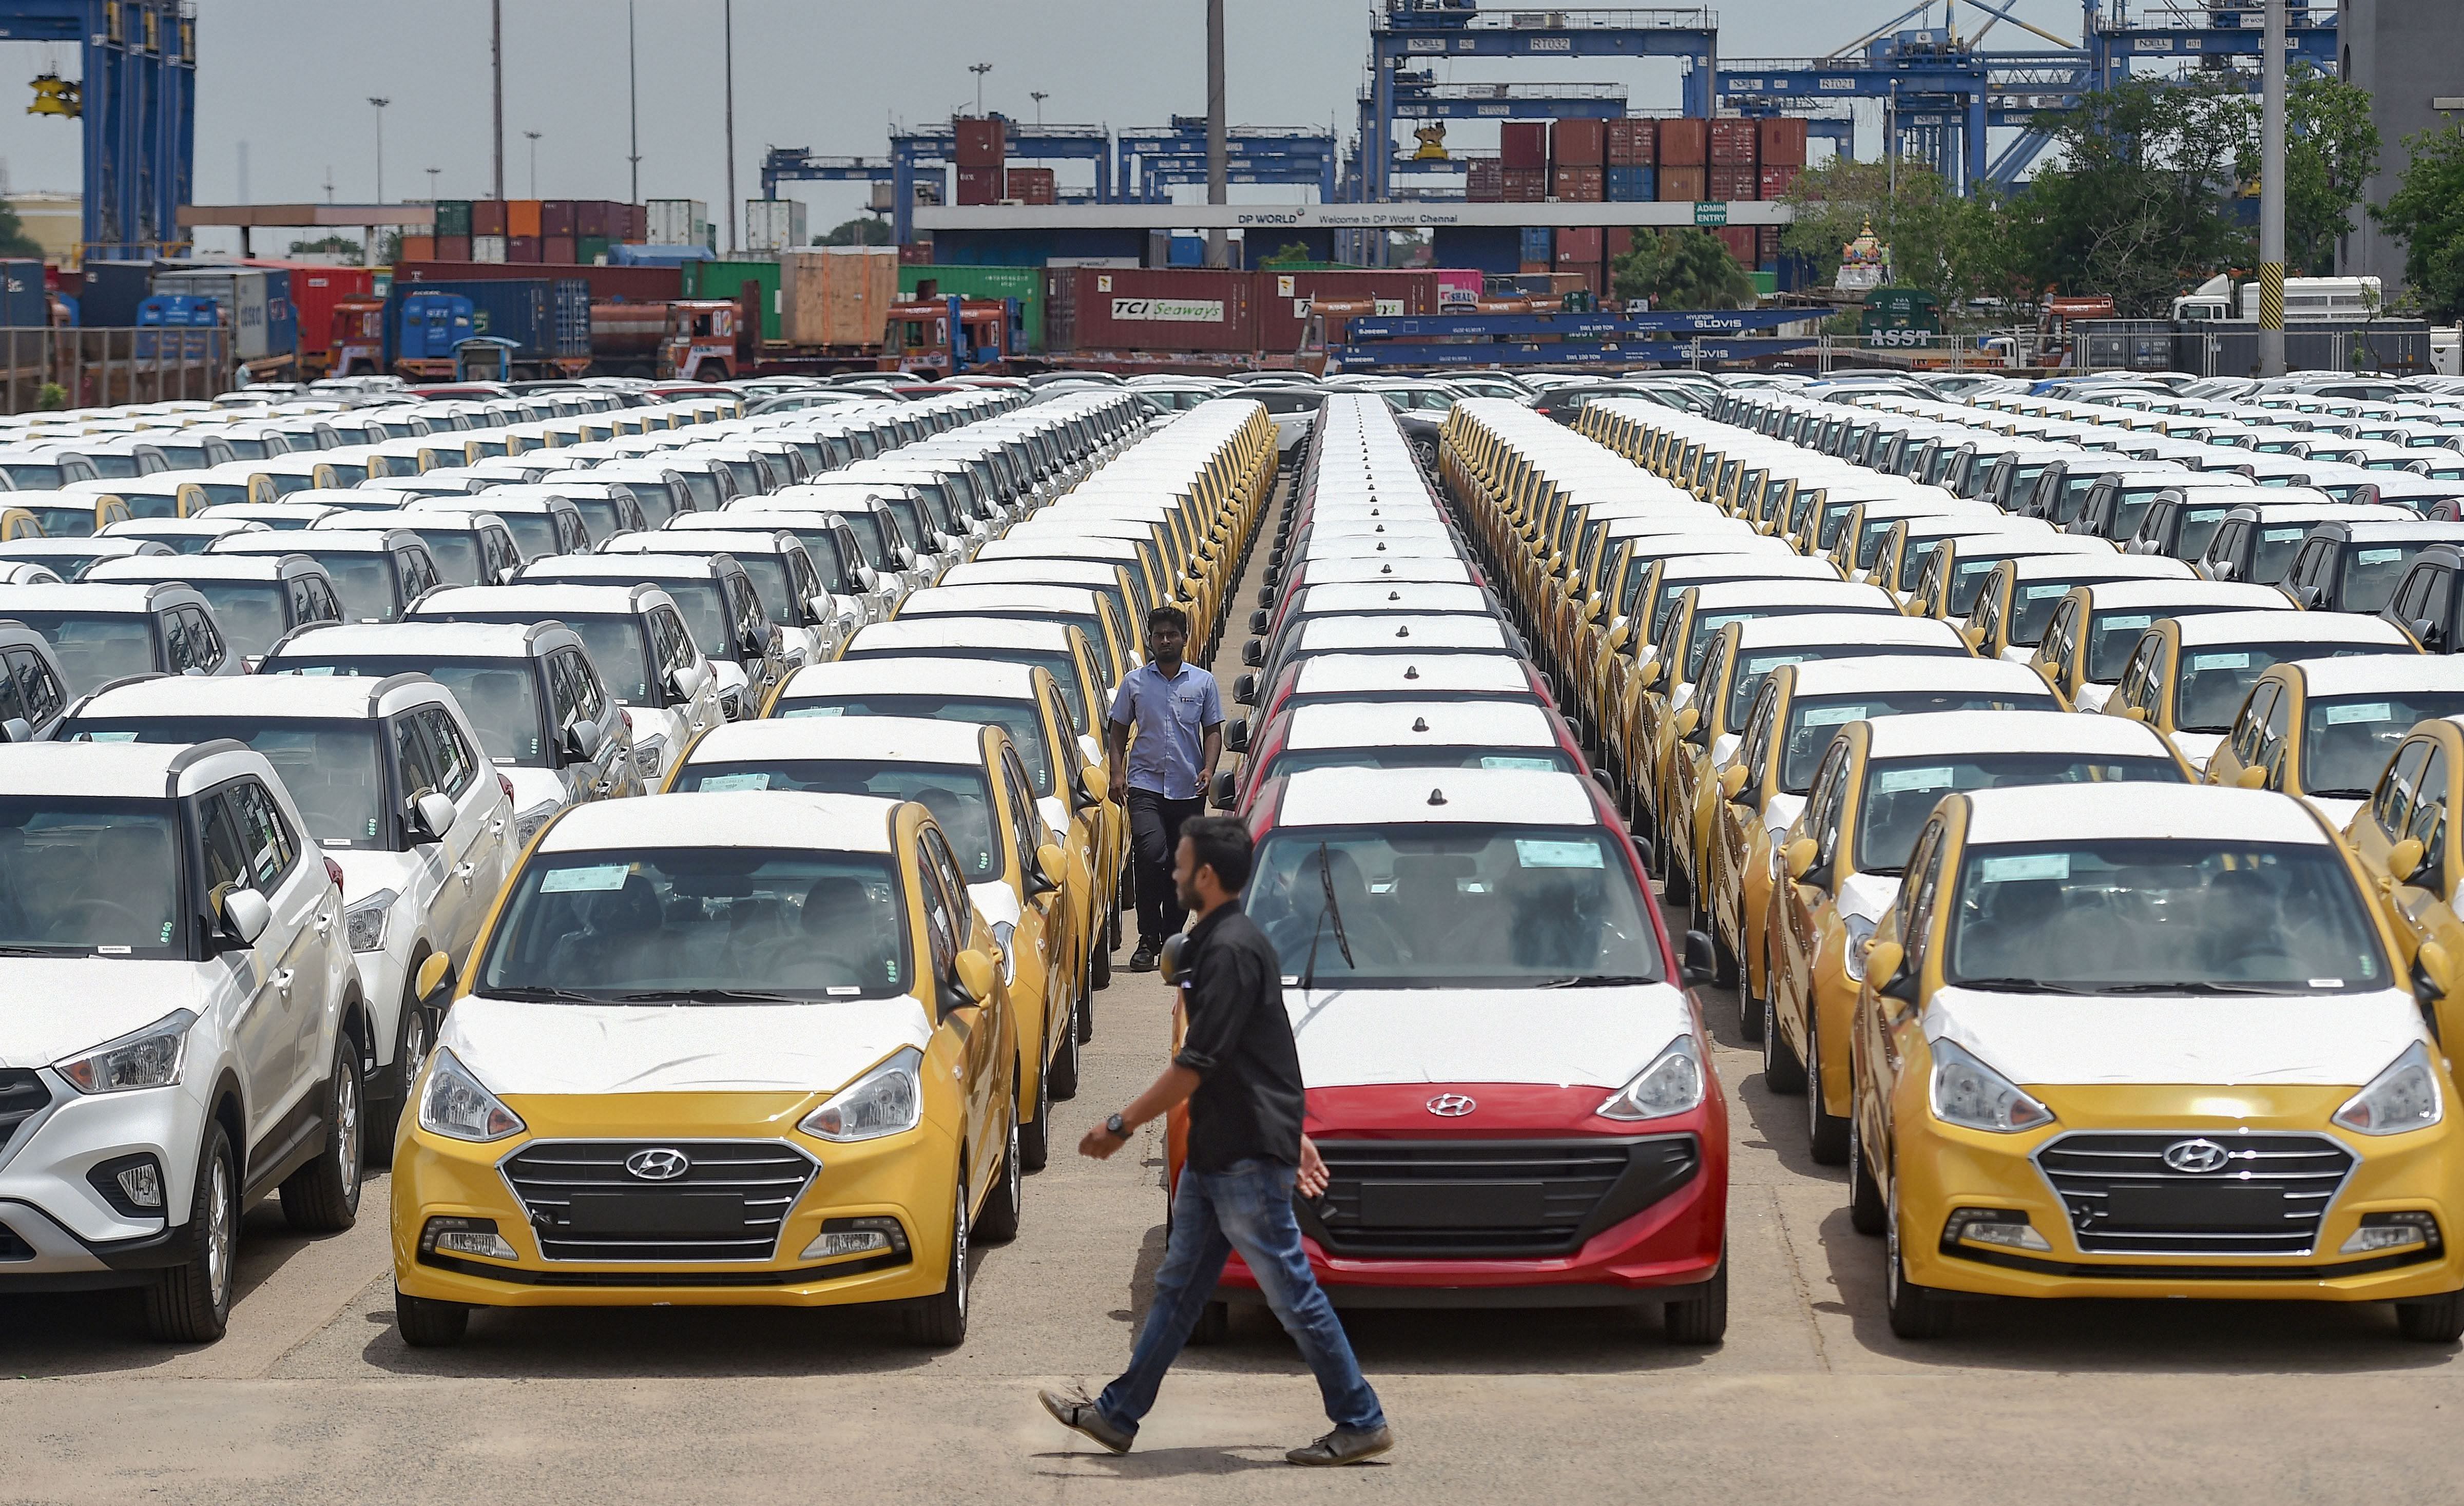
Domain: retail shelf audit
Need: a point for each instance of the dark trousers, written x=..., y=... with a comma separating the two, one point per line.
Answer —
x=1154, y=837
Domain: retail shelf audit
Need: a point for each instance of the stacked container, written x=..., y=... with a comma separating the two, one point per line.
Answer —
x=1033, y=185
x=24, y=304
x=1484, y=180
x=1539, y=249
x=1578, y=185
x=1577, y=156
x=1633, y=152
x=488, y=217
x=488, y=248
x=673, y=222
x=773, y=225
x=1523, y=161
x=981, y=153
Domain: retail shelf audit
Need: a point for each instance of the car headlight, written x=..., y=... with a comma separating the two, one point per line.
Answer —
x=1973, y=1096
x=142, y=1058
x=647, y=752
x=454, y=1104
x=527, y=823
x=885, y=1101
x=1860, y=931
x=1673, y=1083
x=364, y=922
x=2404, y=1097
x=1002, y=931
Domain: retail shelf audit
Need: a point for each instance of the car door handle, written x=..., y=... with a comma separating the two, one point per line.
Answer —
x=282, y=980
x=465, y=871
x=324, y=922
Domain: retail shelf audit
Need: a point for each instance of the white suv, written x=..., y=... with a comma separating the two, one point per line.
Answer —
x=181, y=1030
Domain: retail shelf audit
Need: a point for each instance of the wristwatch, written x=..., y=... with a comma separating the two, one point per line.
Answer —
x=1115, y=1128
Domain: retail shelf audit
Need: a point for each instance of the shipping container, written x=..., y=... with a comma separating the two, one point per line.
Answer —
x=1100, y=307
x=1731, y=183
x=1633, y=185
x=525, y=250
x=836, y=295
x=1615, y=241
x=915, y=253
x=1734, y=141
x=606, y=284
x=1684, y=142
x=1679, y=183
x=24, y=304
x=1534, y=269
x=1026, y=284
x=417, y=248
x=1285, y=299
x=772, y=224
x=453, y=217
x=488, y=248
x=1526, y=185
x=545, y=318
x=113, y=289
x=1773, y=181
x=979, y=140
x=590, y=250
x=1783, y=141
x=446, y=247
x=315, y=290
x=675, y=222
x=1523, y=144
x=1483, y=181
x=593, y=219
x=1578, y=185
x=980, y=185
x=1578, y=144
x=1539, y=245
x=256, y=301
x=1578, y=245
x=1033, y=185
x=557, y=218
x=523, y=218
x=488, y=217
x=1740, y=241
x=726, y=279
x=1767, y=246
x=632, y=225
x=1632, y=143
x=562, y=250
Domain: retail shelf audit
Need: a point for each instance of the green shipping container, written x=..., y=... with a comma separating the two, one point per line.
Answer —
x=726, y=279
x=590, y=250
x=453, y=216
x=1026, y=284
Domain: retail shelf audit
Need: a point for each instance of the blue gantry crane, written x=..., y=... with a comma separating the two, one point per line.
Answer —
x=137, y=107
x=1151, y=159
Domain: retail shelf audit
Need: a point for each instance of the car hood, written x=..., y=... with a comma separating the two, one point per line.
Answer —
x=2338, y=813
x=995, y=901
x=1597, y=1038
x=1867, y=895
x=2092, y=696
x=517, y=1047
x=366, y=870
x=2034, y=1038
x=1780, y=812
x=57, y=1007
x=533, y=787
x=2197, y=747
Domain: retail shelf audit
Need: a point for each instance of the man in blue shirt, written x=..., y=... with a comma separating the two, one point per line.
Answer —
x=1162, y=777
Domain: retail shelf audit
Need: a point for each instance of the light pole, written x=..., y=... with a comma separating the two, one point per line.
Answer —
x=1218, y=246
x=431, y=183
x=496, y=62
x=1039, y=96
x=533, y=139
x=2271, y=194
x=633, y=100
x=979, y=70
x=380, y=109
x=729, y=39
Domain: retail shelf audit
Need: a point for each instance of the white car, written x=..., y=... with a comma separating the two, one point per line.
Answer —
x=389, y=776
x=182, y=1031
x=814, y=621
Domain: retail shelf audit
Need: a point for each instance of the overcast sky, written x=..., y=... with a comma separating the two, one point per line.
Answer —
x=290, y=79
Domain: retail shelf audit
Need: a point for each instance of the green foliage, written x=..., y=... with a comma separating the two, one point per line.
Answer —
x=1292, y=252
x=1680, y=268
x=2330, y=146
x=51, y=397
x=336, y=245
x=1939, y=241
x=13, y=239
x=2427, y=211
x=865, y=229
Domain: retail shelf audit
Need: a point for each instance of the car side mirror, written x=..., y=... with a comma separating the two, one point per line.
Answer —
x=2434, y=973
x=1245, y=689
x=1267, y=596
x=435, y=815
x=1700, y=964
x=2254, y=777
x=1800, y=855
x=1224, y=795
x=1099, y=782
x=1049, y=865
x=687, y=681
x=16, y=730
x=578, y=742
x=1173, y=964
x=2136, y=713
x=1647, y=675
x=1258, y=620
x=434, y=986
x=819, y=610
x=1732, y=781
x=1253, y=653
x=2404, y=859
x=245, y=916
x=973, y=980
x=1974, y=633
x=1886, y=961
x=1686, y=721
x=1236, y=735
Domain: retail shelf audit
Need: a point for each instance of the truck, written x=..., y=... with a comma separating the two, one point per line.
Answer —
x=2220, y=298
x=547, y=322
x=712, y=339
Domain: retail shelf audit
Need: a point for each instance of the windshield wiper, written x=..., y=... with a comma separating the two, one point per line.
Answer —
x=38, y=951
x=1333, y=912
x=707, y=997
x=2020, y=986
x=1598, y=980
x=546, y=996
x=2204, y=986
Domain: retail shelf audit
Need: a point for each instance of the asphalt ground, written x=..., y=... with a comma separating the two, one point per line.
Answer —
x=313, y=1397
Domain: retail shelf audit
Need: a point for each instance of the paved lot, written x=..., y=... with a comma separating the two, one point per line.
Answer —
x=313, y=1397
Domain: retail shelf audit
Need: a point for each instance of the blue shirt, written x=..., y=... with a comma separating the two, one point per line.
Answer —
x=1172, y=716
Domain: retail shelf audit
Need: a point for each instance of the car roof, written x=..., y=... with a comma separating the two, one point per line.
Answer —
x=77, y=599
x=957, y=600
x=120, y=771
x=894, y=739
x=2413, y=533
x=731, y=818
x=1925, y=734
x=2325, y=511
x=1903, y=672
x=1439, y=670
x=1789, y=593
x=908, y=674
x=415, y=639
x=1882, y=630
x=1468, y=630
x=2187, y=592
x=2158, y=567
x=957, y=632
x=304, y=540
x=1419, y=724
x=631, y=568
x=183, y=569
x=547, y=600
x=1418, y=796
x=2288, y=625
x=2366, y=674
x=308, y=697
x=2136, y=811
x=1391, y=597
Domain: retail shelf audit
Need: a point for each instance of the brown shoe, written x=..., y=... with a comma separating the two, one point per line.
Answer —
x=1078, y=1413
x=1345, y=1446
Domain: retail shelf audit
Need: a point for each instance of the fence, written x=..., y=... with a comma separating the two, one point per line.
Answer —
x=99, y=366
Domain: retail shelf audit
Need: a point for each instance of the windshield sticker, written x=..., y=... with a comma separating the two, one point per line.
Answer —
x=839, y=990
x=1540, y=765
x=2038, y=593
x=816, y=711
x=1832, y=715
x=1533, y=853
x=2032, y=865
x=2199, y=661
x=111, y=737
x=314, y=671
x=1765, y=663
x=2359, y=711
x=2283, y=535
x=599, y=879
x=733, y=781
x=1894, y=782
x=2123, y=623
x=2381, y=556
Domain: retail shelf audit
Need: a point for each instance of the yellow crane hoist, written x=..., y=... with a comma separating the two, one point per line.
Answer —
x=55, y=95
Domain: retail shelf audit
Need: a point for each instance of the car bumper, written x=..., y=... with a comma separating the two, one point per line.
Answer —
x=62, y=1233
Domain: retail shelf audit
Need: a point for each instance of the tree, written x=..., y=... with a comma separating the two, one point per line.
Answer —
x=865, y=229
x=2331, y=145
x=1292, y=251
x=13, y=239
x=342, y=246
x=1947, y=245
x=1680, y=268
x=2427, y=212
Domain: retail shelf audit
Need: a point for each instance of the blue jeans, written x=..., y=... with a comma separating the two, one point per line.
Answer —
x=1248, y=1209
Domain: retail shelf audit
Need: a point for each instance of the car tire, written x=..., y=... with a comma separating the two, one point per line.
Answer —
x=190, y=1303
x=1916, y=1312
x=412, y=1035
x=1034, y=1135
x=1782, y=1071
x=940, y=1322
x=1826, y=1134
x=998, y=1223
x=1060, y=1078
x=1726, y=972
x=323, y=1197
x=2431, y=1320
x=1702, y=1318
x=1214, y=1326
x=1867, y=1213
x=426, y=1323
x=1099, y=955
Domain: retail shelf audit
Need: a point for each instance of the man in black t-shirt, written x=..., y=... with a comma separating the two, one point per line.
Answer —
x=1240, y=1072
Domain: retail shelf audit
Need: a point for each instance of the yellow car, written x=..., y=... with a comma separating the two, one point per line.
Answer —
x=2140, y=1042
x=2187, y=678
x=69, y=515
x=2091, y=632
x=2008, y=618
x=2400, y=838
x=741, y=1048
x=1858, y=803
x=1955, y=568
x=2324, y=729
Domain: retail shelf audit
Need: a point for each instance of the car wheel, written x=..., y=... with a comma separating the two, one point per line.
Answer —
x=410, y=1048
x=1214, y=1324
x=1034, y=1138
x=1866, y=1210
x=999, y=1223
x=1702, y=1318
x=1916, y=1312
x=426, y=1323
x=2431, y=1320
x=323, y=1197
x=1099, y=957
x=1726, y=972
x=1826, y=1133
x=190, y=1303
x=1782, y=1071
x=941, y=1321
x=1061, y=1079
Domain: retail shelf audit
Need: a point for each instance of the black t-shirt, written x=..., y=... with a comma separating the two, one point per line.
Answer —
x=1240, y=1042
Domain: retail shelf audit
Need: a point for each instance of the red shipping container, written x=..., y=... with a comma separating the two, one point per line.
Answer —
x=1775, y=181
x=1033, y=185
x=915, y=253
x=1783, y=141
x=562, y=250
x=557, y=218
x=1523, y=143
x=1282, y=297
x=636, y=222
x=1150, y=307
x=980, y=185
x=607, y=284
x=1633, y=141
x=528, y=250
x=1483, y=181
x=1526, y=185
x=1733, y=141
x=1579, y=184
x=1766, y=244
x=590, y=219
x=315, y=291
x=1683, y=142
x=1578, y=245
x=1578, y=144
x=1740, y=241
x=488, y=217
x=1615, y=242
x=1732, y=182
x=1681, y=182
x=451, y=248
x=1529, y=267
x=979, y=143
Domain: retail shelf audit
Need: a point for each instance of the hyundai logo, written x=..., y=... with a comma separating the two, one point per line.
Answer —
x=658, y=1164
x=2196, y=1156
x=1451, y=1106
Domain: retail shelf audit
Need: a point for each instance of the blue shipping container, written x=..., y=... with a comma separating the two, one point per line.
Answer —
x=256, y=302
x=23, y=303
x=113, y=289
x=1633, y=185
x=1539, y=243
x=544, y=320
x=1187, y=250
x=187, y=317
x=426, y=325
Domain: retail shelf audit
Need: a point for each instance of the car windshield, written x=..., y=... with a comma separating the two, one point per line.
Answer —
x=249, y=612
x=957, y=796
x=769, y=573
x=95, y=647
x=31, y=475
x=500, y=695
x=700, y=926
x=1755, y=666
x=615, y=643
x=364, y=579
x=456, y=553
x=534, y=534
x=186, y=456
x=1706, y=626
x=1299, y=761
x=2274, y=554
x=2129, y=506
x=1021, y=719
x=1812, y=721
x=2213, y=681
x=708, y=494
x=1967, y=579
x=2198, y=531
x=331, y=768
x=113, y=467
x=1056, y=661
x=1901, y=792
x=2152, y=915
x=2347, y=740
x=2033, y=603
x=61, y=520
x=604, y=516
x=1452, y=907
x=80, y=877
x=2371, y=570
x=871, y=537
x=917, y=528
